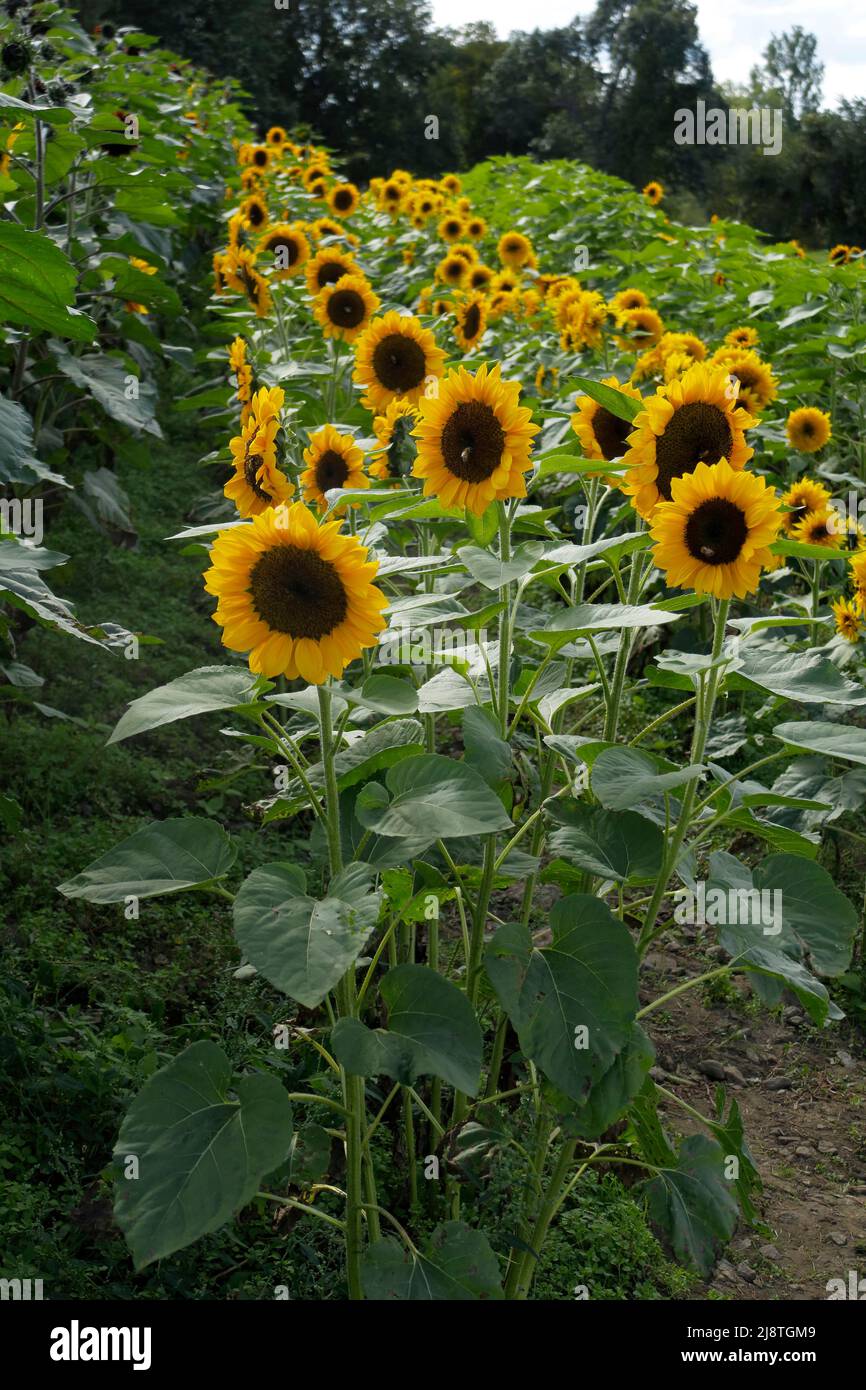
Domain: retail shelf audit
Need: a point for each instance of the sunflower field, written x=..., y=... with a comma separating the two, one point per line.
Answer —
x=520, y=530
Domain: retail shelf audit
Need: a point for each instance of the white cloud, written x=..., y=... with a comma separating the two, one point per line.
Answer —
x=734, y=34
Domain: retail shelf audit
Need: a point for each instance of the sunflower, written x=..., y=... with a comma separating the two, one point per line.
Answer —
x=849, y=619
x=627, y=299
x=325, y=226
x=450, y=183
x=328, y=267
x=471, y=315
x=822, y=527
x=451, y=227
x=840, y=254
x=587, y=313
x=857, y=572
x=391, y=196
x=639, y=329
x=333, y=460
x=396, y=357
x=239, y=272
x=802, y=497
x=714, y=534
x=501, y=303
x=757, y=385
x=452, y=270
x=395, y=455
x=808, y=429
x=241, y=369
x=681, y=344
x=254, y=212
x=466, y=250
x=742, y=337
x=260, y=156
x=476, y=228
x=653, y=192
x=602, y=434
x=693, y=420
x=258, y=482
x=343, y=199
x=315, y=173
x=505, y=282
x=296, y=594
x=474, y=440
x=546, y=379
x=276, y=136
x=289, y=247
x=515, y=249
x=479, y=277
x=345, y=309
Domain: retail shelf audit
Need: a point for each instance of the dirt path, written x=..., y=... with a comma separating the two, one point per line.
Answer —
x=802, y=1093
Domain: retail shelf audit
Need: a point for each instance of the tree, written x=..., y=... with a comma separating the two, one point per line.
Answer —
x=792, y=72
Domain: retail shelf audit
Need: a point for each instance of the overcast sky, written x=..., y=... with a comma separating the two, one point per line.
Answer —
x=735, y=32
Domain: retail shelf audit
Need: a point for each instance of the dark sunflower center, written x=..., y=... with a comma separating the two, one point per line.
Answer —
x=297, y=592
x=329, y=273
x=610, y=432
x=715, y=532
x=399, y=363
x=256, y=215
x=260, y=157
x=454, y=269
x=807, y=428
x=346, y=308
x=343, y=199
x=251, y=468
x=479, y=279
x=331, y=470
x=697, y=433
x=819, y=533
x=472, y=321
x=287, y=246
x=472, y=442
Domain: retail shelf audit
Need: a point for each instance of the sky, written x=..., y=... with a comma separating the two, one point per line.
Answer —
x=734, y=32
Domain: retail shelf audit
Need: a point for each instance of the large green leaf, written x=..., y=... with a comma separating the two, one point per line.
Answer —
x=382, y=747
x=619, y=845
x=573, y=1002
x=203, y=1141
x=622, y=777
x=202, y=691
x=457, y=1265
x=807, y=677
x=601, y=617
x=617, y=402
x=304, y=945
x=166, y=857
x=431, y=795
x=843, y=741
x=694, y=1203
x=121, y=393
x=610, y=1096
x=17, y=461
x=495, y=573
x=37, y=286
x=432, y=1031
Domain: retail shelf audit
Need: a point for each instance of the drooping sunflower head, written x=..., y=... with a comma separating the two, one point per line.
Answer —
x=344, y=309
x=714, y=534
x=396, y=358
x=343, y=199
x=241, y=369
x=804, y=496
x=694, y=419
x=627, y=299
x=743, y=338
x=602, y=434
x=289, y=247
x=757, y=385
x=653, y=192
x=515, y=249
x=328, y=267
x=452, y=270
x=451, y=227
x=254, y=211
x=840, y=254
x=474, y=440
x=333, y=460
x=297, y=595
x=639, y=329
x=823, y=527
x=396, y=453
x=849, y=619
x=471, y=320
x=258, y=481
x=808, y=429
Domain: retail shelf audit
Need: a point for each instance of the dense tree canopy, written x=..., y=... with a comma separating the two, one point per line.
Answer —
x=366, y=75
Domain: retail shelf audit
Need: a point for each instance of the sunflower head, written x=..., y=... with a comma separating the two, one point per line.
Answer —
x=260, y=157
x=396, y=451
x=451, y=227
x=295, y=594
x=476, y=228
x=396, y=358
x=288, y=245
x=849, y=619
x=756, y=384
x=602, y=434
x=627, y=299
x=452, y=270
x=258, y=482
x=840, y=254
x=333, y=460
x=714, y=534
x=254, y=212
x=480, y=276
x=344, y=309
x=691, y=420
x=639, y=329
x=821, y=527
x=742, y=338
x=804, y=496
x=653, y=192
x=276, y=136
x=471, y=320
x=546, y=379
x=343, y=199
x=515, y=249
x=474, y=440
x=808, y=429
